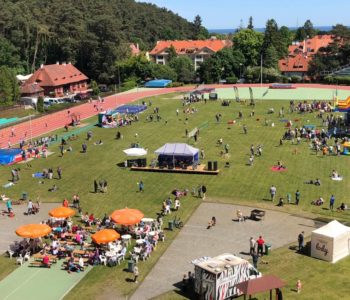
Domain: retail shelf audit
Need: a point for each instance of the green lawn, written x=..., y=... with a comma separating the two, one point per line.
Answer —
x=237, y=184
x=320, y=280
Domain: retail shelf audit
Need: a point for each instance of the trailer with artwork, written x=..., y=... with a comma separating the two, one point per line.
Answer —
x=216, y=278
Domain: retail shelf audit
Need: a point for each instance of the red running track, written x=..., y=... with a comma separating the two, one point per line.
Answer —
x=44, y=125
x=54, y=121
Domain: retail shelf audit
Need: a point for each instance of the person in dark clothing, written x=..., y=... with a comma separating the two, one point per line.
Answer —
x=84, y=147
x=95, y=186
x=59, y=172
x=255, y=258
x=301, y=241
x=279, y=295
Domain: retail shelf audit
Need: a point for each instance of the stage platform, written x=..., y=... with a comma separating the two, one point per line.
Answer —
x=201, y=169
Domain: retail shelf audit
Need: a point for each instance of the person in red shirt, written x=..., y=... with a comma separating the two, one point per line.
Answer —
x=65, y=203
x=46, y=261
x=260, y=243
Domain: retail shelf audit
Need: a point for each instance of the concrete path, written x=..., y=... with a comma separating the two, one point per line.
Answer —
x=195, y=241
x=9, y=225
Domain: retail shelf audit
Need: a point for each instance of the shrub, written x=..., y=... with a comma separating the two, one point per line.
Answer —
x=231, y=80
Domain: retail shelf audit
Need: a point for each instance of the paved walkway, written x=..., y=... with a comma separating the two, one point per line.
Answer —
x=9, y=225
x=195, y=241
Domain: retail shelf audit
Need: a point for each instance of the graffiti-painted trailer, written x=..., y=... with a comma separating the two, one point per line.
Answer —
x=216, y=278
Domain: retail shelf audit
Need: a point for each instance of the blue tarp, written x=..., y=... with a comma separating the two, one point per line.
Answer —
x=7, y=156
x=129, y=109
x=158, y=83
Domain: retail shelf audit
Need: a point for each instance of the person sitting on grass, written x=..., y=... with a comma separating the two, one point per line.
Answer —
x=342, y=207
x=280, y=165
x=280, y=202
x=318, y=202
x=335, y=174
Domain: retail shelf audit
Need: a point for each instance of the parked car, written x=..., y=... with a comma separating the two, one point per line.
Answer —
x=81, y=96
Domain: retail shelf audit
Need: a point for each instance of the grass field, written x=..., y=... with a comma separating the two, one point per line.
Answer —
x=238, y=184
x=320, y=280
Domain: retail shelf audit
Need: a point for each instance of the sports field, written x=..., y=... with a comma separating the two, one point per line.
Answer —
x=239, y=184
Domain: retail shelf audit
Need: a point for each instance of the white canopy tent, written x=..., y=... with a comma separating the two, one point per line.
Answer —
x=135, y=152
x=331, y=242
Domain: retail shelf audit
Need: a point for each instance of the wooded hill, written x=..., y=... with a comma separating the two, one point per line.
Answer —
x=92, y=34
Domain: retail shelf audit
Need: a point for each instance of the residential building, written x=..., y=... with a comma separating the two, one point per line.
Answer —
x=301, y=53
x=56, y=80
x=198, y=51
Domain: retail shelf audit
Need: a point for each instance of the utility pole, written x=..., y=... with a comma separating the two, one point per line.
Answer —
x=261, y=70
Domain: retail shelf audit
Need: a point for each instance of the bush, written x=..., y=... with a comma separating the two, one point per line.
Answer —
x=284, y=79
x=231, y=80
x=40, y=104
x=295, y=79
x=176, y=84
x=128, y=85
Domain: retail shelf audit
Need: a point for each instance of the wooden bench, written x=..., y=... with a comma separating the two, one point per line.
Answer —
x=39, y=264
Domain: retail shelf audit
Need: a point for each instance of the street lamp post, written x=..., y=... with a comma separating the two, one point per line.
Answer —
x=240, y=70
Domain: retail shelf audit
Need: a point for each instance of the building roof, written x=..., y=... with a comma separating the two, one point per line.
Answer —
x=56, y=75
x=258, y=285
x=31, y=88
x=189, y=46
x=220, y=263
x=332, y=229
x=301, y=53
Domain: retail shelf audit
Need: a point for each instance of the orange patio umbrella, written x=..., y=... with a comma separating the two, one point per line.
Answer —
x=105, y=236
x=33, y=230
x=127, y=216
x=61, y=212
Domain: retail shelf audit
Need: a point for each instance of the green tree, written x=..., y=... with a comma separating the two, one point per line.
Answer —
x=40, y=104
x=95, y=88
x=250, y=23
x=199, y=32
x=163, y=72
x=305, y=31
x=273, y=38
x=249, y=42
x=341, y=31
x=271, y=57
x=6, y=86
x=171, y=53
x=184, y=68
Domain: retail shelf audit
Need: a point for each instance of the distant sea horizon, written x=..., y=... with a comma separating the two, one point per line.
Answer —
x=231, y=30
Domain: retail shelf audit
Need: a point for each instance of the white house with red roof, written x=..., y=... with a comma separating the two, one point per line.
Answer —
x=56, y=80
x=198, y=51
x=301, y=53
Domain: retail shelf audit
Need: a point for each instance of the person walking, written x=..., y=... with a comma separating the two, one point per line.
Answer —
x=273, y=191
x=59, y=172
x=84, y=147
x=95, y=186
x=30, y=208
x=245, y=129
x=260, y=243
x=136, y=274
x=204, y=190
x=297, y=197
x=255, y=259
x=301, y=241
x=9, y=206
x=252, y=244
x=331, y=202
x=141, y=186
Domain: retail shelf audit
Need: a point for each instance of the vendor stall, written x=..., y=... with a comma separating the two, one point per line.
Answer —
x=331, y=242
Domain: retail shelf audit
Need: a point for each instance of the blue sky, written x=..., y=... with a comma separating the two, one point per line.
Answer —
x=218, y=14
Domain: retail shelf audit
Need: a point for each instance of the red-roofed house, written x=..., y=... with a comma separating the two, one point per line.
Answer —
x=57, y=80
x=301, y=53
x=198, y=51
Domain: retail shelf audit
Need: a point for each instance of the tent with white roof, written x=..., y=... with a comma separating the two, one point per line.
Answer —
x=331, y=242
